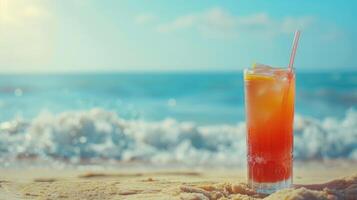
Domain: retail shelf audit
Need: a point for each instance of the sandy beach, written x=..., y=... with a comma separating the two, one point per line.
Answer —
x=132, y=183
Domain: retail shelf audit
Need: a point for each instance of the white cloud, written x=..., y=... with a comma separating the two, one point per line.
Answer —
x=180, y=23
x=215, y=18
x=290, y=24
x=259, y=20
x=145, y=18
x=219, y=22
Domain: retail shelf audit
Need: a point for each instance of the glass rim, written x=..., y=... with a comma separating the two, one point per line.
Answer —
x=247, y=70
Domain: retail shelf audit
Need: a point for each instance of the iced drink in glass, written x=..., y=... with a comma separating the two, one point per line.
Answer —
x=269, y=102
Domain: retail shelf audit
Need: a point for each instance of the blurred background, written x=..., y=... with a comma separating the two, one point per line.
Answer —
x=160, y=82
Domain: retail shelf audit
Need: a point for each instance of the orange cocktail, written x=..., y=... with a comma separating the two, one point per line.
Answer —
x=269, y=100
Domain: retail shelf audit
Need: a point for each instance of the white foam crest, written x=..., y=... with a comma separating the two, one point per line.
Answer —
x=329, y=138
x=100, y=134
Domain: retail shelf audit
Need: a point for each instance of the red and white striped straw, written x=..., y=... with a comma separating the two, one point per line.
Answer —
x=293, y=51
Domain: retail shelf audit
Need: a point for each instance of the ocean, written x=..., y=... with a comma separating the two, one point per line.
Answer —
x=191, y=118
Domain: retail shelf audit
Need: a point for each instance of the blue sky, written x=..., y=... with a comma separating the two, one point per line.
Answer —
x=175, y=35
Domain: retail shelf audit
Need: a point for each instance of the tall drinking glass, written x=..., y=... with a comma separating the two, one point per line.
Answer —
x=269, y=102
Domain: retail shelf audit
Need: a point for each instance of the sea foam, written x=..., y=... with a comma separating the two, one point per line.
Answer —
x=99, y=134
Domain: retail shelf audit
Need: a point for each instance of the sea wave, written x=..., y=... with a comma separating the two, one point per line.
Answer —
x=99, y=134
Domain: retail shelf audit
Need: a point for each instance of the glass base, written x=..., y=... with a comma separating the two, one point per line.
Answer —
x=269, y=188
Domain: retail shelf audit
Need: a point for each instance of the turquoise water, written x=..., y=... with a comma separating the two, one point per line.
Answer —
x=189, y=118
x=205, y=98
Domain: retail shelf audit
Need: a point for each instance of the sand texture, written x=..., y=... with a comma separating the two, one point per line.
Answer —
x=315, y=182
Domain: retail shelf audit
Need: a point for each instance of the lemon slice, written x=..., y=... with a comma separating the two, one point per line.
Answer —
x=258, y=77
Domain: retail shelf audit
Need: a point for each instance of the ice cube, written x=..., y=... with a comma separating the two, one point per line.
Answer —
x=262, y=67
x=277, y=87
x=262, y=91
